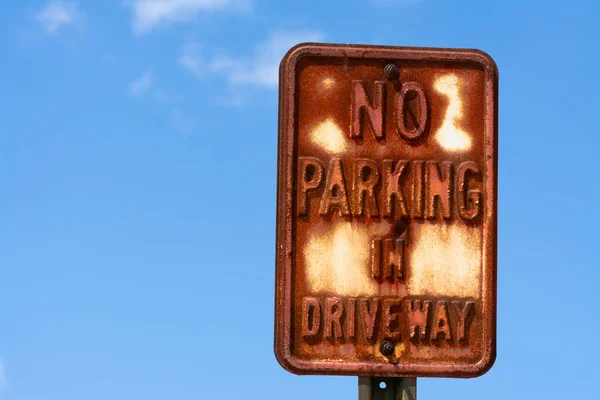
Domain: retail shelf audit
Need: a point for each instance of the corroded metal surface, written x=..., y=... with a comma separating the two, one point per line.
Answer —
x=386, y=218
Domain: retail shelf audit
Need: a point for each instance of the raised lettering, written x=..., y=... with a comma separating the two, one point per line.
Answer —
x=333, y=313
x=418, y=188
x=311, y=317
x=392, y=189
x=468, y=202
x=387, y=259
x=438, y=186
x=368, y=311
x=372, y=319
x=393, y=259
x=363, y=108
x=391, y=315
x=366, y=177
x=418, y=314
x=420, y=122
x=441, y=322
x=464, y=318
x=335, y=193
x=350, y=317
x=376, y=258
x=311, y=175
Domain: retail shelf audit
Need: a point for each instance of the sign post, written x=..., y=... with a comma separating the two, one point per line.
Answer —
x=386, y=214
x=387, y=388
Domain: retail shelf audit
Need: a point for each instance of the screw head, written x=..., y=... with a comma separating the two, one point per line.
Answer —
x=391, y=72
x=387, y=347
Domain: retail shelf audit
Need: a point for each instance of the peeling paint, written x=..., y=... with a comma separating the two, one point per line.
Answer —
x=329, y=137
x=328, y=83
x=446, y=260
x=400, y=349
x=449, y=135
x=337, y=258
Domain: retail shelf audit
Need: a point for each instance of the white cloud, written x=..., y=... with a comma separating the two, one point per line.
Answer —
x=142, y=84
x=57, y=14
x=262, y=68
x=147, y=14
x=3, y=380
x=190, y=59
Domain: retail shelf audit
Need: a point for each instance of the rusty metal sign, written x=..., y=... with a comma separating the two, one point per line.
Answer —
x=386, y=211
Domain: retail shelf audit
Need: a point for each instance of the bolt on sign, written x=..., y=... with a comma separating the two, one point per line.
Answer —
x=386, y=211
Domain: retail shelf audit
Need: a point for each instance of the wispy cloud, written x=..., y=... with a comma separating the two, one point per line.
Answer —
x=3, y=380
x=259, y=69
x=190, y=59
x=148, y=14
x=57, y=14
x=142, y=84
x=262, y=68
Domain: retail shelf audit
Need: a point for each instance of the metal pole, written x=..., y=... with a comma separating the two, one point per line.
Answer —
x=387, y=388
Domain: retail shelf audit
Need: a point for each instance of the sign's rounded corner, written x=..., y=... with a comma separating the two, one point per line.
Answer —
x=288, y=361
x=486, y=61
x=484, y=364
x=295, y=53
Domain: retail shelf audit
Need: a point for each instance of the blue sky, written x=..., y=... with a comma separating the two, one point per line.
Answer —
x=138, y=165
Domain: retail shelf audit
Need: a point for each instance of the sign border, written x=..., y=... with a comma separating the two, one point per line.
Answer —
x=285, y=217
